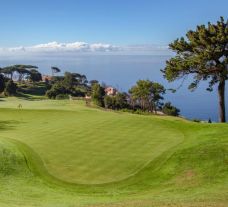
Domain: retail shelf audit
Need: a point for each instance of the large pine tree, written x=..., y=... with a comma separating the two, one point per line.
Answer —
x=205, y=55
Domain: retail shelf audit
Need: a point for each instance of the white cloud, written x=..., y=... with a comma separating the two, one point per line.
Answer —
x=56, y=48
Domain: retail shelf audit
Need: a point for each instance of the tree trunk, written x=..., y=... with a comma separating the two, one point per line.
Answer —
x=221, y=93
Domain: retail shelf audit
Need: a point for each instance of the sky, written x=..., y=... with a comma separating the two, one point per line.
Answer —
x=26, y=23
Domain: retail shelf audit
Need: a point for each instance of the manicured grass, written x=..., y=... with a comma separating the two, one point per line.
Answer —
x=62, y=152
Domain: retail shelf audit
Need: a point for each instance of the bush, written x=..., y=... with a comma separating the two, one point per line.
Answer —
x=98, y=94
x=2, y=83
x=170, y=110
x=55, y=90
x=10, y=89
x=109, y=102
x=196, y=120
x=116, y=102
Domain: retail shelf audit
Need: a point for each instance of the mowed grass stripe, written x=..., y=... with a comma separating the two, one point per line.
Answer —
x=89, y=146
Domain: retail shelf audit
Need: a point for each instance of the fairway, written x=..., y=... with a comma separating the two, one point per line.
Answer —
x=89, y=150
x=99, y=146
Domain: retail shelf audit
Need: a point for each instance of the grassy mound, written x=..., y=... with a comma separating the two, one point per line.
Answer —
x=64, y=152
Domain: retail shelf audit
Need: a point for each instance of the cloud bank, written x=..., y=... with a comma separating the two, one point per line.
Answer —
x=56, y=48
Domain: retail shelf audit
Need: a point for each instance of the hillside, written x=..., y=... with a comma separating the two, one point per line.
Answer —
x=62, y=153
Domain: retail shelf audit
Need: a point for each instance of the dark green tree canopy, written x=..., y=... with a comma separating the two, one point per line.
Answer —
x=148, y=94
x=21, y=70
x=10, y=89
x=169, y=109
x=98, y=93
x=55, y=70
x=204, y=54
x=34, y=75
x=2, y=83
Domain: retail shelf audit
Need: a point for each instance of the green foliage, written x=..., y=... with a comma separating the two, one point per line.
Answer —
x=109, y=102
x=21, y=70
x=68, y=81
x=35, y=88
x=10, y=89
x=204, y=54
x=121, y=100
x=93, y=82
x=35, y=76
x=55, y=69
x=55, y=79
x=196, y=120
x=98, y=94
x=148, y=94
x=56, y=89
x=72, y=84
x=169, y=109
x=2, y=83
x=118, y=101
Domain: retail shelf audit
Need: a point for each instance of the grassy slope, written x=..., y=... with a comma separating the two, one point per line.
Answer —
x=143, y=160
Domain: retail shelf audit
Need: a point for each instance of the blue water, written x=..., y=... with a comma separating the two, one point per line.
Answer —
x=123, y=71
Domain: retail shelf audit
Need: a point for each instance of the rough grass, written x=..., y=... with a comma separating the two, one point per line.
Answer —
x=61, y=153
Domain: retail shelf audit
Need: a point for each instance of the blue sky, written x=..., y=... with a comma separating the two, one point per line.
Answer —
x=117, y=22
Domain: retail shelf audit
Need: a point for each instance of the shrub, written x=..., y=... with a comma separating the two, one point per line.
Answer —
x=109, y=102
x=98, y=94
x=171, y=110
x=10, y=89
x=2, y=83
x=196, y=120
x=55, y=90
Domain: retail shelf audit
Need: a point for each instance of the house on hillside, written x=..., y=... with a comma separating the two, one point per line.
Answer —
x=110, y=91
x=46, y=78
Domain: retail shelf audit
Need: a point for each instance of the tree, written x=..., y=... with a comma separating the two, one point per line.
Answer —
x=91, y=82
x=55, y=70
x=71, y=83
x=35, y=76
x=56, y=89
x=8, y=72
x=141, y=92
x=10, y=89
x=2, y=83
x=74, y=79
x=98, y=94
x=204, y=54
x=169, y=109
x=156, y=92
x=148, y=94
x=68, y=81
x=109, y=102
x=21, y=70
x=120, y=100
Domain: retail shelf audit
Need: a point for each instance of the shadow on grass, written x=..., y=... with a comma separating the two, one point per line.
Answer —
x=27, y=97
x=8, y=125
